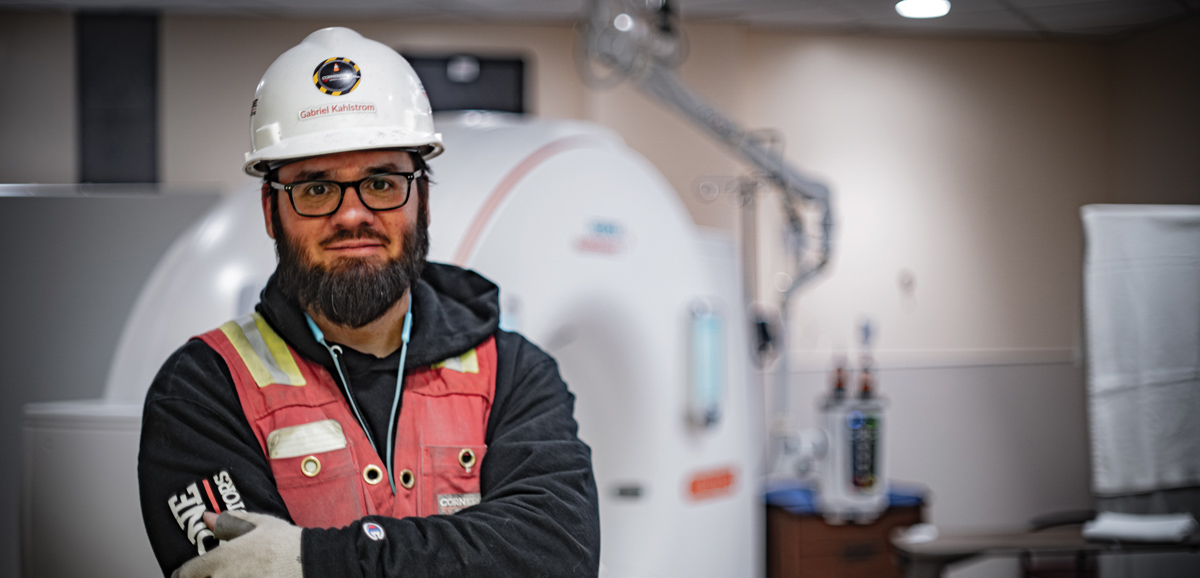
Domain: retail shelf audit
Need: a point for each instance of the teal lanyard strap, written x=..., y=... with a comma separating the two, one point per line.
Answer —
x=391, y=441
x=399, y=386
x=316, y=331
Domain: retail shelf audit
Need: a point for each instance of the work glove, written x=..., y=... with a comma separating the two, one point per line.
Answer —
x=258, y=546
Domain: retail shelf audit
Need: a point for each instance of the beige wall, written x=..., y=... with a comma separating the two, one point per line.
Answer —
x=963, y=162
x=38, y=131
x=715, y=69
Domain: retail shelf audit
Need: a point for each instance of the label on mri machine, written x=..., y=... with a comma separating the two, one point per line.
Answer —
x=606, y=237
x=712, y=483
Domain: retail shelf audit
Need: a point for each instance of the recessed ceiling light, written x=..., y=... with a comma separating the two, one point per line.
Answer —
x=923, y=8
x=623, y=22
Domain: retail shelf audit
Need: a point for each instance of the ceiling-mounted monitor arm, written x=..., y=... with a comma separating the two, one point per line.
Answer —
x=638, y=40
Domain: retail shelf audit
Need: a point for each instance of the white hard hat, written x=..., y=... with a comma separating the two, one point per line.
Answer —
x=335, y=92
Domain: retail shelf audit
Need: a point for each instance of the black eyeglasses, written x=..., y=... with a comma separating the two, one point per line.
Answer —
x=382, y=192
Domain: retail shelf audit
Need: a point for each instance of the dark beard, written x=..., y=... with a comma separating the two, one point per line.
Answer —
x=353, y=292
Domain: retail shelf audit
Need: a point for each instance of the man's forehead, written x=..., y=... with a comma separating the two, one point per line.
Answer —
x=353, y=162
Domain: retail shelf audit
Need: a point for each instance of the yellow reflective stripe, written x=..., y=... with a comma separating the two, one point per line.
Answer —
x=250, y=330
x=233, y=331
x=279, y=351
x=465, y=363
x=470, y=362
x=263, y=351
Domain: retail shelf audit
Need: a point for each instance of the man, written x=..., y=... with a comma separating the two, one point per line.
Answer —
x=369, y=419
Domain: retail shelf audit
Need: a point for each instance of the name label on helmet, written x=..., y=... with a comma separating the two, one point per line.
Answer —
x=340, y=108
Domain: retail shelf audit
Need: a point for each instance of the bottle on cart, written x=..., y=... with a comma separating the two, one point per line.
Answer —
x=853, y=485
x=864, y=424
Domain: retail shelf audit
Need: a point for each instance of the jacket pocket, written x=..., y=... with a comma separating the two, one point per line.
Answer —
x=315, y=474
x=450, y=476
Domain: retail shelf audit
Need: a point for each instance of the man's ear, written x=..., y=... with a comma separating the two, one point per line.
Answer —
x=267, y=191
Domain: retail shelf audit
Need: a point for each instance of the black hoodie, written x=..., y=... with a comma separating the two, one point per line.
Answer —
x=538, y=516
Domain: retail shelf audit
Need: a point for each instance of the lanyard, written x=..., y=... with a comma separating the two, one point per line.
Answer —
x=334, y=350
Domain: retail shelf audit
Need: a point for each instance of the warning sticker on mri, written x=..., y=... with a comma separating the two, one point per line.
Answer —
x=605, y=237
x=711, y=483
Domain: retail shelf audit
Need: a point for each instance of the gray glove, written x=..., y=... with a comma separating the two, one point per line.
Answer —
x=265, y=547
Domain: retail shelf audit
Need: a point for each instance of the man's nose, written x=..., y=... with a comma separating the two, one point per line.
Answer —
x=352, y=212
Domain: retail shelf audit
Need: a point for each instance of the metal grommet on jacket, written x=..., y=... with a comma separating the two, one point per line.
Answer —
x=466, y=459
x=310, y=466
x=372, y=474
x=407, y=479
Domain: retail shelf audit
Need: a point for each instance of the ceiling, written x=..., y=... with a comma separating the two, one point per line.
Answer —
x=1086, y=19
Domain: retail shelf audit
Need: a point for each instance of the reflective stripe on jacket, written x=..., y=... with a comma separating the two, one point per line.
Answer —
x=324, y=466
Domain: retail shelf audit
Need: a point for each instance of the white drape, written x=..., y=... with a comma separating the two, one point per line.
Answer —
x=1142, y=308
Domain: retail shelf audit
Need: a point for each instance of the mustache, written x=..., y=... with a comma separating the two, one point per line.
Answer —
x=351, y=292
x=360, y=232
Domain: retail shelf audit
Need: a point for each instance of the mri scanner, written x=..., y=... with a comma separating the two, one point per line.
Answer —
x=598, y=263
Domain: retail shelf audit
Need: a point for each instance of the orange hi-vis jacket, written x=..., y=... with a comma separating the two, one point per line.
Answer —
x=324, y=465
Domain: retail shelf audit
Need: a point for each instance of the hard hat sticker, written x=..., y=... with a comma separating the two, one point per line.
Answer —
x=336, y=76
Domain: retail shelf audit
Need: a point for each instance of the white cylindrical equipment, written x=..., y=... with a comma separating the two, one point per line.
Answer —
x=598, y=263
x=853, y=484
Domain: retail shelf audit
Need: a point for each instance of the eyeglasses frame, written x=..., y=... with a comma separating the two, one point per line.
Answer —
x=344, y=185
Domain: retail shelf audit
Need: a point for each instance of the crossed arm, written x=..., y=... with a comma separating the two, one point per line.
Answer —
x=538, y=515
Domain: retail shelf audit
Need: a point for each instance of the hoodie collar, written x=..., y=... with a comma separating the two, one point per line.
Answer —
x=454, y=310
